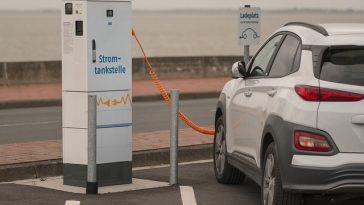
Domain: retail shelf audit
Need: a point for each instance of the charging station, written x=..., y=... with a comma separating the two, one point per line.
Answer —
x=96, y=60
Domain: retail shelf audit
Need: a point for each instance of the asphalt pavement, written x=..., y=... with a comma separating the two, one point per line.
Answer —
x=198, y=176
x=45, y=123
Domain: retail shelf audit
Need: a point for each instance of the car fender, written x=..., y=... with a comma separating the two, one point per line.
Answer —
x=282, y=132
x=221, y=105
x=282, y=136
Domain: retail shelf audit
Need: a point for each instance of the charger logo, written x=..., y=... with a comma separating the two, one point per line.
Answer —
x=115, y=102
x=116, y=69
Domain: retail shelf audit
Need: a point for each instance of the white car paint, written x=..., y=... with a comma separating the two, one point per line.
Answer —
x=250, y=102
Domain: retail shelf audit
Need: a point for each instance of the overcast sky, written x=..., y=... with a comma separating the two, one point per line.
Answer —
x=198, y=4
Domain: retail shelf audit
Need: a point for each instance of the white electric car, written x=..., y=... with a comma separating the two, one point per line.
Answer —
x=292, y=119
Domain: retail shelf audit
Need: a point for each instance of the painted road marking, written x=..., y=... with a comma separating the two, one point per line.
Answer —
x=30, y=123
x=73, y=202
x=187, y=195
x=167, y=165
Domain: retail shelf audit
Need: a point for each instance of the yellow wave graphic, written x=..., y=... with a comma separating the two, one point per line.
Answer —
x=124, y=100
x=104, y=102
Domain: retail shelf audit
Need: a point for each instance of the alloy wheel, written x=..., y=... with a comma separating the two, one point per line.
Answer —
x=269, y=180
x=220, y=149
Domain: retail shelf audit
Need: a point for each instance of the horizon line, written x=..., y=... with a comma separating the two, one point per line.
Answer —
x=200, y=10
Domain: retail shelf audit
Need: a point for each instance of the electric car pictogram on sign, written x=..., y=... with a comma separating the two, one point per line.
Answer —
x=246, y=32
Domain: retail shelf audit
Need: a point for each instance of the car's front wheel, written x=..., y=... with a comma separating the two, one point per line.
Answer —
x=224, y=172
x=272, y=192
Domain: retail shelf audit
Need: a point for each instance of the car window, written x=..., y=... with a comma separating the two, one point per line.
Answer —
x=261, y=61
x=344, y=66
x=287, y=58
x=297, y=59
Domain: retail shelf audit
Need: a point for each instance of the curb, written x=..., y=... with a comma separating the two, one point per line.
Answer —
x=30, y=103
x=146, y=98
x=49, y=168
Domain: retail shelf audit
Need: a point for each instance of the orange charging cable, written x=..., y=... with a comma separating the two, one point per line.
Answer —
x=158, y=84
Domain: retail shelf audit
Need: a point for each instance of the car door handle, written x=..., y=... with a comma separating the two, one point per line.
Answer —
x=272, y=92
x=359, y=119
x=248, y=93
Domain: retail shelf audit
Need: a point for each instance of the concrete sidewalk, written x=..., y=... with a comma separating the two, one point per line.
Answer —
x=52, y=149
x=143, y=90
x=44, y=158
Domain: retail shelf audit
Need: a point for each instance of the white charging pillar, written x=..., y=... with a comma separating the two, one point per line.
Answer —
x=96, y=60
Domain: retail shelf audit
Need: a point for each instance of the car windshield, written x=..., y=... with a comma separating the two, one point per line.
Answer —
x=344, y=66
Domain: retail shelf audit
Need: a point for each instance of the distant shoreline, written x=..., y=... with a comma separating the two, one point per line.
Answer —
x=36, y=35
x=295, y=10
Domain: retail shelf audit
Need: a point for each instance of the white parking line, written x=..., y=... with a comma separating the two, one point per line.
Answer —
x=187, y=195
x=167, y=165
x=73, y=202
x=29, y=123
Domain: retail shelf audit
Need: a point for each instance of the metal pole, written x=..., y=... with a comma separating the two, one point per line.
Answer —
x=246, y=47
x=246, y=55
x=92, y=185
x=173, y=177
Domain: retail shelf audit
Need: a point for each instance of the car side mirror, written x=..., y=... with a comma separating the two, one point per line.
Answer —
x=239, y=70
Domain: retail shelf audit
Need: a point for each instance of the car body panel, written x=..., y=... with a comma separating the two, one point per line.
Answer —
x=336, y=118
x=254, y=115
x=285, y=103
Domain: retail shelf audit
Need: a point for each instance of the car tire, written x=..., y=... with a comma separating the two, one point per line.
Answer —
x=224, y=172
x=272, y=192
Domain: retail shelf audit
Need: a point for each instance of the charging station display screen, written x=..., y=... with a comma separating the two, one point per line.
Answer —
x=68, y=9
x=110, y=13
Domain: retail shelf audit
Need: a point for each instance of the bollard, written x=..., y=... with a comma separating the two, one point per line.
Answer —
x=92, y=185
x=246, y=48
x=173, y=177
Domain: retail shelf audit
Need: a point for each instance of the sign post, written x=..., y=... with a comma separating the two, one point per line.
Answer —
x=249, y=28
